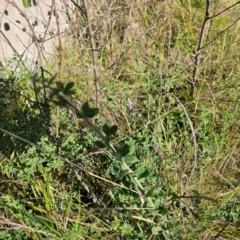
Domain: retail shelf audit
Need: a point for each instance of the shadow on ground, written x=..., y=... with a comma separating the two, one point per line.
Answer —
x=20, y=115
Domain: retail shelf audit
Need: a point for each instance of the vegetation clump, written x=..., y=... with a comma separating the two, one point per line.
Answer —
x=131, y=131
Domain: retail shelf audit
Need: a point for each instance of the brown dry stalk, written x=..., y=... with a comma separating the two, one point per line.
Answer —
x=202, y=35
x=200, y=43
x=228, y=8
x=94, y=50
x=48, y=24
x=13, y=225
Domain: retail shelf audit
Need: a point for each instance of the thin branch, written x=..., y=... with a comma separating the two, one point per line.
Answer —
x=32, y=30
x=226, y=9
x=72, y=164
x=196, y=197
x=194, y=142
x=14, y=50
x=138, y=38
x=202, y=34
x=78, y=7
x=200, y=43
x=221, y=231
x=220, y=34
x=94, y=52
x=45, y=33
x=129, y=170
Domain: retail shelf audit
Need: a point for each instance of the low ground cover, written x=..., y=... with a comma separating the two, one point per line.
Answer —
x=155, y=155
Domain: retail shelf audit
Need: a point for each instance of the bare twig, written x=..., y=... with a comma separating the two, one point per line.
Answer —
x=201, y=46
x=226, y=9
x=94, y=50
x=33, y=32
x=45, y=33
x=196, y=197
x=40, y=45
x=200, y=43
x=221, y=231
x=13, y=48
x=122, y=54
x=220, y=34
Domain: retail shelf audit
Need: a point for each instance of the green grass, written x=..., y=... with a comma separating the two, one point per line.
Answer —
x=144, y=184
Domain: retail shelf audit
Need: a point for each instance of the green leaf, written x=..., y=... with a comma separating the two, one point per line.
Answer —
x=176, y=230
x=27, y=3
x=156, y=230
x=130, y=159
x=145, y=174
x=123, y=167
x=162, y=210
x=109, y=130
x=12, y=155
x=131, y=149
x=89, y=112
x=142, y=172
x=68, y=89
x=111, y=105
x=100, y=144
x=153, y=193
x=124, y=151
